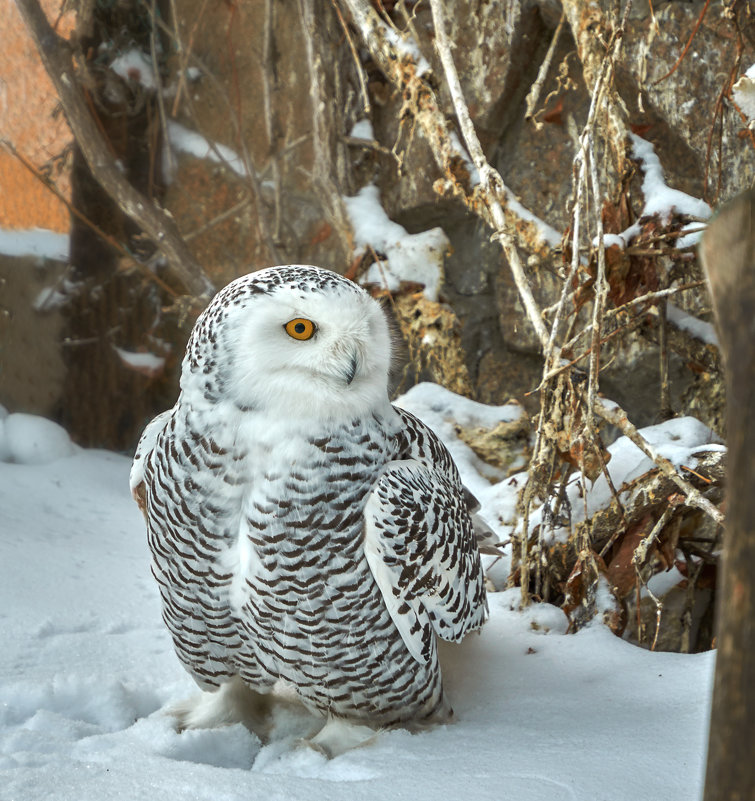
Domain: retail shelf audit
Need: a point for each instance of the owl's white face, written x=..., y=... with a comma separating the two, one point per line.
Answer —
x=307, y=351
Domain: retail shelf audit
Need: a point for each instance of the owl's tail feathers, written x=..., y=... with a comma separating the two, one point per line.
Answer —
x=488, y=541
x=232, y=702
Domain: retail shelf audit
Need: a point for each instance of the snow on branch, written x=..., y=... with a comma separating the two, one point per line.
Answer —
x=613, y=414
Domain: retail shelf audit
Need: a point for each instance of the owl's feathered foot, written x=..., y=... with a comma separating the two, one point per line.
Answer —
x=233, y=702
x=338, y=736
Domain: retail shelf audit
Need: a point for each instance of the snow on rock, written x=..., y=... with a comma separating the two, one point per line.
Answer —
x=433, y=403
x=407, y=257
x=87, y=674
x=55, y=296
x=37, y=242
x=693, y=237
x=49, y=298
x=363, y=130
x=743, y=92
x=659, y=198
x=146, y=363
x=547, y=233
x=619, y=240
x=29, y=439
x=678, y=439
x=442, y=411
x=662, y=582
x=136, y=66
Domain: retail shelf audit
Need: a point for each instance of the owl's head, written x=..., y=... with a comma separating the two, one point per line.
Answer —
x=298, y=340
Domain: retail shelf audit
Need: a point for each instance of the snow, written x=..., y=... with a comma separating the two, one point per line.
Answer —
x=705, y=332
x=49, y=298
x=37, y=242
x=87, y=673
x=187, y=141
x=679, y=440
x=407, y=257
x=406, y=47
x=133, y=65
x=29, y=439
x=692, y=238
x=458, y=147
x=549, y=235
x=363, y=130
x=659, y=198
x=743, y=92
x=147, y=363
x=443, y=410
x=662, y=200
x=662, y=582
x=609, y=240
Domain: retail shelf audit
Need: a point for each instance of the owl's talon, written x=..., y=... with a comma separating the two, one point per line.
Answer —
x=233, y=702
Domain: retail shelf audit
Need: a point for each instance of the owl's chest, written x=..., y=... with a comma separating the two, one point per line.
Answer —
x=297, y=512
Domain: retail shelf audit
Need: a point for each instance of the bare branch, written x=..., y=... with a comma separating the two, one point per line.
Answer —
x=162, y=230
x=533, y=96
x=491, y=183
x=618, y=417
x=357, y=63
x=588, y=25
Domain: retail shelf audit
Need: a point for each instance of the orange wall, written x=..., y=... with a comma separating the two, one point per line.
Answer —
x=27, y=104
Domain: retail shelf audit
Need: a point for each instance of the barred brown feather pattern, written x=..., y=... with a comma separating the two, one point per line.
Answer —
x=308, y=610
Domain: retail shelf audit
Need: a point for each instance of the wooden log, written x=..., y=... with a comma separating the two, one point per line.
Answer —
x=728, y=253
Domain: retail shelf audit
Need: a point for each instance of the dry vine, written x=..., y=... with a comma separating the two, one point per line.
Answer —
x=567, y=431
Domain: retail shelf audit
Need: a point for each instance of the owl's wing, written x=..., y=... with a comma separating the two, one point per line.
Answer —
x=143, y=449
x=421, y=549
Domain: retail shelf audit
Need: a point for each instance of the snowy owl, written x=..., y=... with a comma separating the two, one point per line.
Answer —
x=301, y=527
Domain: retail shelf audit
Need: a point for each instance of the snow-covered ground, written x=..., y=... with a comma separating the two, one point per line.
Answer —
x=87, y=671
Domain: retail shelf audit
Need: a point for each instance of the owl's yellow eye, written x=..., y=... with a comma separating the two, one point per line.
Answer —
x=300, y=328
